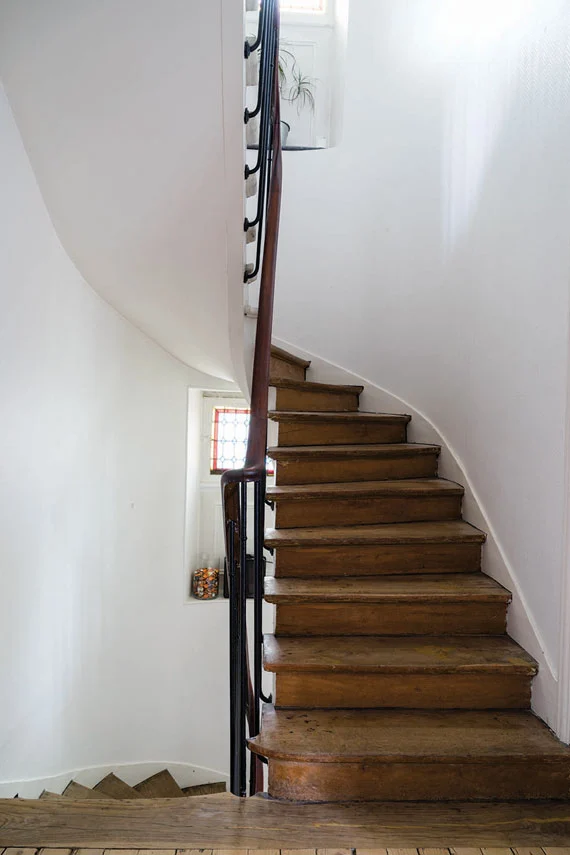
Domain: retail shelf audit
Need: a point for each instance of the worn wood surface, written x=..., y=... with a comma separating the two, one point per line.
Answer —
x=366, y=502
x=406, y=736
x=407, y=691
x=453, y=655
x=448, y=532
x=374, y=559
x=223, y=822
x=316, y=400
x=114, y=788
x=285, y=366
x=160, y=786
x=424, y=673
x=371, y=464
x=349, y=428
x=447, y=588
x=493, y=780
x=392, y=618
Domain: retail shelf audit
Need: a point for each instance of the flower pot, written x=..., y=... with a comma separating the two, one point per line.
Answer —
x=285, y=128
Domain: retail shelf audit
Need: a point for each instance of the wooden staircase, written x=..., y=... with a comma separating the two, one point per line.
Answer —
x=394, y=676
x=162, y=785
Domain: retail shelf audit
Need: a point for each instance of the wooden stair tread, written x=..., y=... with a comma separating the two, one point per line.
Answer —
x=279, y=353
x=205, y=789
x=78, y=791
x=406, y=736
x=449, y=587
x=334, y=452
x=397, y=655
x=114, y=788
x=350, y=418
x=449, y=531
x=160, y=786
x=360, y=489
x=311, y=386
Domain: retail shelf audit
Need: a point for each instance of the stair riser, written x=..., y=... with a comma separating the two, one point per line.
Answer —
x=309, y=690
x=280, y=369
x=377, y=559
x=369, y=510
x=315, y=402
x=317, y=471
x=492, y=780
x=299, y=433
x=417, y=618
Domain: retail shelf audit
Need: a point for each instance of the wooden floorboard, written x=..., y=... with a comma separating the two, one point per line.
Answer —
x=382, y=851
x=224, y=822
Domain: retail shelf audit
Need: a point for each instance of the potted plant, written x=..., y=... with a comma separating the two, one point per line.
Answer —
x=295, y=87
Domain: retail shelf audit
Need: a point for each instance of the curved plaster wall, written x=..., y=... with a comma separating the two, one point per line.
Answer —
x=102, y=657
x=429, y=252
x=131, y=114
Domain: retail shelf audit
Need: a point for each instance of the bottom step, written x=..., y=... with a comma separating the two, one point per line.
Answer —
x=389, y=755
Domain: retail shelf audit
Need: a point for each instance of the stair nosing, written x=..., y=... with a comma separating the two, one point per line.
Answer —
x=413, y=487
x=312, y=386
x=415, y=757
x=284, y=355
x=349, y=417
x=491, y=591
x=382, y=533
x=385, y=450
x=527, y=669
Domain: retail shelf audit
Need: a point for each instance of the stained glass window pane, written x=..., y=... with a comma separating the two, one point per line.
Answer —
x=228, y=440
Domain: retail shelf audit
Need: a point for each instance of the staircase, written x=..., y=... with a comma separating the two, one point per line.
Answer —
x=162, y=785
x=394, y=676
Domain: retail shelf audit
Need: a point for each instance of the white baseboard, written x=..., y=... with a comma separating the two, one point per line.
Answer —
x=185, y=774
x=521, y=624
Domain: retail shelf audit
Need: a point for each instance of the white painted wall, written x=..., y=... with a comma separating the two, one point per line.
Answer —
x=131, y=113
x=429, y=252
x=103, y=663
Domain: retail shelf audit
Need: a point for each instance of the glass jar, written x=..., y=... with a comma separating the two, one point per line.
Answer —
x=206, y=583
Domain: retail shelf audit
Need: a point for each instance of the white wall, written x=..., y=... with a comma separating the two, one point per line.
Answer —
x=102, y=663
x=429, y=252
x=131, y=113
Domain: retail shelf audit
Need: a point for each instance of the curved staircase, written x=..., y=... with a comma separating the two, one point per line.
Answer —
x=162, y=785
x=394, y=676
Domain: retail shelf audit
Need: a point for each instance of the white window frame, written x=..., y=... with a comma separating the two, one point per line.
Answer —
x=311, y=19
x=209, y=403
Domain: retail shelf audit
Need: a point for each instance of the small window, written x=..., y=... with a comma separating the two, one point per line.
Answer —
x=303, y=5
x=228, y=440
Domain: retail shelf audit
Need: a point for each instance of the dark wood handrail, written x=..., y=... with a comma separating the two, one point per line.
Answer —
x=245, y=692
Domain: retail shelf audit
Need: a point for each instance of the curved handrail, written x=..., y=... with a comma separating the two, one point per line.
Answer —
x=245, y=681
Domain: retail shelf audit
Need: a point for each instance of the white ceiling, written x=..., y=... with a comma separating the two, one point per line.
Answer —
x=119, y=103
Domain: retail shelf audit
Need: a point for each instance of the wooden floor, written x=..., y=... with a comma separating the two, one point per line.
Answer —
x=223, y=822
x=383, y=851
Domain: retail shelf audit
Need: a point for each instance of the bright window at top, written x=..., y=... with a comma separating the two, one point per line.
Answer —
x=228, y=439
x=303, y=5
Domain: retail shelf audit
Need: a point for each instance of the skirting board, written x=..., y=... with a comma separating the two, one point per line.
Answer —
x=132, y=773
x=521, y=624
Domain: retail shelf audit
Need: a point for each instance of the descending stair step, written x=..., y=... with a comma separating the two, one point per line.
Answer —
x=114, y=788
x=365, y=502
x=438, y=547
x=320, y=464
x=316, y=397
x=160, y=786
x=301, y=428
x=402, y=755
x=205, y=789
x=78, y=791
x=285, y=366
x=482, y=672
x=462, y=604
